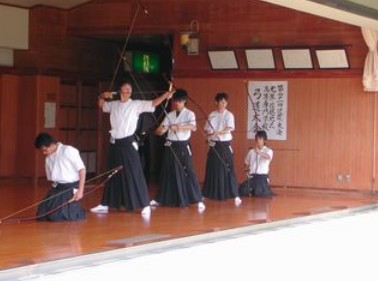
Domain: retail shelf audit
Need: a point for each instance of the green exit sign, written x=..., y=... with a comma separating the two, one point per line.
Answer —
x=146, y=62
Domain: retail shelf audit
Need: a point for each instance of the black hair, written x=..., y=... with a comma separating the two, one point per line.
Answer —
x=261, y=134
x=43, y=140
x=221, y=96
x=125, y=82
x=180, y=95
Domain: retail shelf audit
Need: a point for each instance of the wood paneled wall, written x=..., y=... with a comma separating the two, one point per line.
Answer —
x=9, y=122
x=330, y=131
x=21, y=118
x=47, y=89
x=53, y=51
x=222, y=24
x=102, y=19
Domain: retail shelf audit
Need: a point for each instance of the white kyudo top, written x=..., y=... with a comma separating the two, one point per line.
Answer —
x=257, y=163
x=64, y=164
x=185, y=117
x=218, y=121
x=124, y=116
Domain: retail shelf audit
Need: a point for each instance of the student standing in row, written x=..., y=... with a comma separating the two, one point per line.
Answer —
x=178, y=183
x=220, y=178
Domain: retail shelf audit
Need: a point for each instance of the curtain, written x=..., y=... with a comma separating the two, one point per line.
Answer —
x=370, y=75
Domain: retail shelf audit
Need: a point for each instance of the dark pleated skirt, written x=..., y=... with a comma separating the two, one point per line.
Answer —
x=54, y=207
x=256, y=186
x=128, y=188
x=178, y=183
x=220, y=179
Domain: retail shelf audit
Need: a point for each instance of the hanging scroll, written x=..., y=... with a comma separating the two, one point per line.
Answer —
x=267, y=109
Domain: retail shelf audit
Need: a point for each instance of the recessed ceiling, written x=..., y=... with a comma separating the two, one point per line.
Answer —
x=63, y=4
x=339, y=10
x=363, y=8
x=372, y=4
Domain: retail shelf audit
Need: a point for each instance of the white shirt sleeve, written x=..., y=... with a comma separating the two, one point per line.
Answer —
x=247, y=159
x=107, y=106
x=48, y=169
x=230, y=121
x=74, y=156
x=192, y=120
x=208, y=125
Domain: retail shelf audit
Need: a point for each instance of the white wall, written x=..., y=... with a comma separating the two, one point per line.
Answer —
x=14, y=28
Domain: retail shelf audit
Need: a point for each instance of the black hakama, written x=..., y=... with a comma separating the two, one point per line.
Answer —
x=257, y=186
x=178, y=183
x=220, y=179
x=128, y=188
x=54, y=206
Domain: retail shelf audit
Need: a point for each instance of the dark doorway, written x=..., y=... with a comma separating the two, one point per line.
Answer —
x=147, y=62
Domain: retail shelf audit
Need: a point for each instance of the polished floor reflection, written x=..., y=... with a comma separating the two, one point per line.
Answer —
x=26, y=242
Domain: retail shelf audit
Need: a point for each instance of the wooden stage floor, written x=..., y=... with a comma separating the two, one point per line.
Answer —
x=27, y=242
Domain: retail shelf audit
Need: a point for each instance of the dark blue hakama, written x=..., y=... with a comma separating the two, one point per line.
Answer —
x=257, y=186
x=54, y=206
x=128, y=188
x=220, y=179
x=178, y=183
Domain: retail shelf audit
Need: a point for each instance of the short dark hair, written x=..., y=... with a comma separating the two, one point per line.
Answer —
x=43, y=140
x=261, y=134
x=180, y=95
x=125, y=82
x=221, y=96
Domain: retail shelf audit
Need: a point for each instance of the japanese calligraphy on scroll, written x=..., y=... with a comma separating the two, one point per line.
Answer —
x=267, y=109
